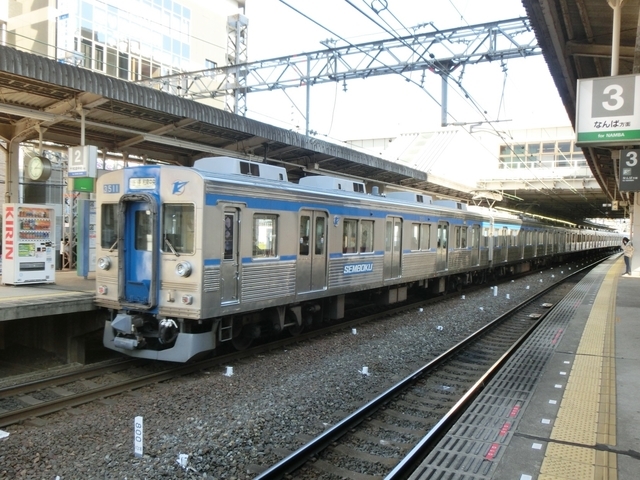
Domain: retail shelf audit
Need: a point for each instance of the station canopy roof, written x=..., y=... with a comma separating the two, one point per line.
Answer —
x=41, y=95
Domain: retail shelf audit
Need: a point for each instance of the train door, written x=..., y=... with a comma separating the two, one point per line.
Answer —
x=230, y=264
x=442, y=249
x=312, y=253
x=139, y=250
x=393, y=248
x=475, y=245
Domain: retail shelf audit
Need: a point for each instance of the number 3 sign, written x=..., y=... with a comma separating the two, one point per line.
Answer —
x=629, y=171
x=608, y=111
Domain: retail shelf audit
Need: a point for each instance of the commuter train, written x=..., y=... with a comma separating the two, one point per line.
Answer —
x=229, y=250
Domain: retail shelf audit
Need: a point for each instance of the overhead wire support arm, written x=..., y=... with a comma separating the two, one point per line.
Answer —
x=452, y=47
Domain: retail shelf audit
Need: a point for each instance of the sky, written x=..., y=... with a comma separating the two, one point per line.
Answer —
x=520, y=94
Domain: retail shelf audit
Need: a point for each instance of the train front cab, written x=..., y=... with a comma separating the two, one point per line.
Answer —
x=150, y=262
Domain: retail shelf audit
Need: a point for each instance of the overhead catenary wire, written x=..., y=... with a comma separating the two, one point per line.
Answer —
x=549, y=191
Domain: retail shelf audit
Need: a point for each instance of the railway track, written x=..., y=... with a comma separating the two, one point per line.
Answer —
x=38, y=398
x=388, y=435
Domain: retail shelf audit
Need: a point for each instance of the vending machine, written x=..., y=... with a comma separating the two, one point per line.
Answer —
x=28, y=249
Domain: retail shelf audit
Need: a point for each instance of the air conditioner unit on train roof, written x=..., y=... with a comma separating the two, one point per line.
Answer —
x=236, y=166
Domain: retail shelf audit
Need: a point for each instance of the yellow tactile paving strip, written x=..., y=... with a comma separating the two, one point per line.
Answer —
x=587, y=413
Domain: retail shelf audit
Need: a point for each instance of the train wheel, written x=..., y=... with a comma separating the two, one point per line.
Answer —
x=295, y=330
x=242, y=342
x=244, y=339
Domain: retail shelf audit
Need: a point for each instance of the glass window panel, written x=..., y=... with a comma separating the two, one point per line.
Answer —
x=99, y=63
x=87, y=11
x=305, y=229
x=228, y=235
x=397, y=235
x=457, y=238
x=518, y=149
x=415, y=236
x=366, y=236
x=178, y=224
x=87, y=29
x=144, y=235
x=265, y=235
x=85, y=46
x=548, y=148
x=425, y=237
x=463, y=237
x=388, y=236
x=320, y=233
x=109, y=225
x=112, y=60
x=350, y=236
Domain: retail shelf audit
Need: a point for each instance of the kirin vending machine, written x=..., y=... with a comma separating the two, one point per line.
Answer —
x=28, y=248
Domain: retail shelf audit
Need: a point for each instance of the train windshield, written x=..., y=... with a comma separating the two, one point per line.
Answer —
x=178, y=223
x=109, y=227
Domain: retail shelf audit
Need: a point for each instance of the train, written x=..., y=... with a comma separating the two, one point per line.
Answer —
x=229, y=250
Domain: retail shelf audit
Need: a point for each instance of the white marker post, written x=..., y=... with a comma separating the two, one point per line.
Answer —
x=138, y=435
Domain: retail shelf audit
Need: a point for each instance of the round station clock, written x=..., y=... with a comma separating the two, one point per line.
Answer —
x=39, y=169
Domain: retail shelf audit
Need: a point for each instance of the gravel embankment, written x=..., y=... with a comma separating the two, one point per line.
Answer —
x=271, y=405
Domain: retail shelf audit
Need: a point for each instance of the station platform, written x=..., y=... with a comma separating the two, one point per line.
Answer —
x=69, y=294
x=567, y=405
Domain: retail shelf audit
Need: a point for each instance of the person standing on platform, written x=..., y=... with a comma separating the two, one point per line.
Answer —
x=627, y=249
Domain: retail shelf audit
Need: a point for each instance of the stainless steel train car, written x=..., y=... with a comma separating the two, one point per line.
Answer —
x=229, y=250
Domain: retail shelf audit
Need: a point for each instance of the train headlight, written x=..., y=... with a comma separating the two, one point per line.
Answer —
x=183, y=269
x=104, y=263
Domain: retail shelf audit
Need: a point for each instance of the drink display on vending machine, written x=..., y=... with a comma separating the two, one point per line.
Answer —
x=28, y=249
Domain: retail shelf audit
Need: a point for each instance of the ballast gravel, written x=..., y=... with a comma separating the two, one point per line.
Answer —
x=233, y=427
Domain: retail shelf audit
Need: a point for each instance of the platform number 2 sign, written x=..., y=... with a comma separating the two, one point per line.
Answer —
x=77, y=164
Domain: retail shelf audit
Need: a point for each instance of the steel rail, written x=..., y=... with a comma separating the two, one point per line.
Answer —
x=291, y=463
x=80, y=374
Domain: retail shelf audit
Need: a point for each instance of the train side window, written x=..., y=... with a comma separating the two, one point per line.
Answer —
x=349, y=236
x=415, y=236
x=425, y=237
x=265, y=234
x=305, y=230
x=178, y=224
x=366, y=236
x=472, y=239
x=457, y=238
x=463, y=237
x=485, y=237
x=109, y=225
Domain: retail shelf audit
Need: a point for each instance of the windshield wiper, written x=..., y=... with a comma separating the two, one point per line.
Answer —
x=166, y=240
x=114, y=245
